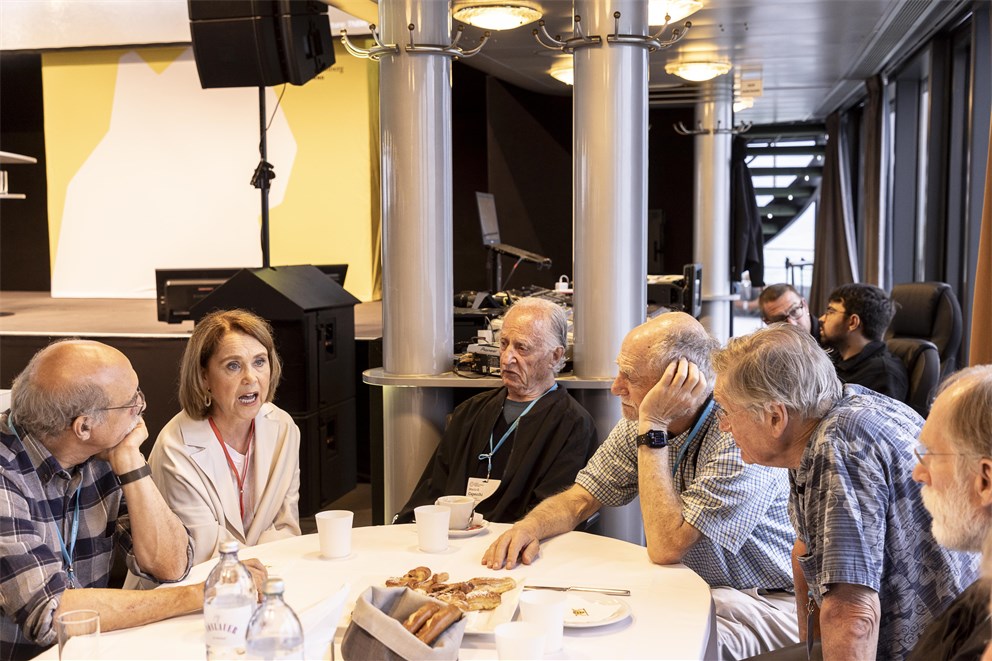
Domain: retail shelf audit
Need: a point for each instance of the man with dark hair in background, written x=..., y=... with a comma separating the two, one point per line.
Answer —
x=853, y=325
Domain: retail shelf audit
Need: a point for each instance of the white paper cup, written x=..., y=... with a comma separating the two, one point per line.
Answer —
x=519, y=640
x=334, y=532
x=432, y=527
x=79, y=634
x=462, y=508
x=546, y=609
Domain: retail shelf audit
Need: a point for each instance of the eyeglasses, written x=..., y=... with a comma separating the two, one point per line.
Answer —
x=723, y=414
x=922, y=453
x=794, y=313
x=138, y=400
x=829, y=311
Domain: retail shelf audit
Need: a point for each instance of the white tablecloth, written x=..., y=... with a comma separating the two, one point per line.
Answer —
x=670, y=605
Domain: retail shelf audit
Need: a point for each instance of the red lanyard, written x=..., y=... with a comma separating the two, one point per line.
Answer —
x=230, y=462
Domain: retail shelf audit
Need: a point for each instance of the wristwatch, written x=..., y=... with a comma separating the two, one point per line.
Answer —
x=135, y=475
x=653, y=439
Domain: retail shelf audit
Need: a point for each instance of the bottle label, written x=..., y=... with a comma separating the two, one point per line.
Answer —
x=226, y=628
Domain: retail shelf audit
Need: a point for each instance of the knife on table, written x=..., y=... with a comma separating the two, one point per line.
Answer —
x=612, y=591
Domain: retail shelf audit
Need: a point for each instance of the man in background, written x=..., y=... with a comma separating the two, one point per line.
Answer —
x=781, y=303
x=853, y=326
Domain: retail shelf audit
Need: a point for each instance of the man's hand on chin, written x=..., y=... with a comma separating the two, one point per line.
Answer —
x=126, y=455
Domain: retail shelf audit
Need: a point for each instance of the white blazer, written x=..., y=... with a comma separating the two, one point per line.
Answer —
x=190, y=469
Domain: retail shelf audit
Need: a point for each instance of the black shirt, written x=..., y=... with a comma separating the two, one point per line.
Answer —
x=877, y=369
x=961, y=632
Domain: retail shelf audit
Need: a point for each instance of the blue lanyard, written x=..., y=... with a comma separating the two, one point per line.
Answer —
x=67, y=554
x=488, y=457
x=692, y=435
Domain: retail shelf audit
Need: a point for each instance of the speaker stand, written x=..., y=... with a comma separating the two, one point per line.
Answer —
x=263, y=173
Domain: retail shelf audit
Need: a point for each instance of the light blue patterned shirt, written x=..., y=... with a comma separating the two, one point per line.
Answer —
x=740, y=510
x=856, y=506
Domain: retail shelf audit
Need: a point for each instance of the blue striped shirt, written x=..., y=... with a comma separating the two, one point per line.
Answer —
x=855, y=505
x=36, y=496
x=740, y=510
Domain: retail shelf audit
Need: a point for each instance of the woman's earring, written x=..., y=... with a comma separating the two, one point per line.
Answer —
x=209, y=401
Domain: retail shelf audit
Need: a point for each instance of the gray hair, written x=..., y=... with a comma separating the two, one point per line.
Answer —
x=45, y=409
x=969, y=419
x=685, y=340
x=555, y=323
x=779, y=364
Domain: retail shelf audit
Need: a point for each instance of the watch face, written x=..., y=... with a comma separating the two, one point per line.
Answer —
x=653, y=439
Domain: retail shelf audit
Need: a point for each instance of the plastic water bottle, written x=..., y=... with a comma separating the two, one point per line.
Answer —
x=228, y=600
x=275, y=631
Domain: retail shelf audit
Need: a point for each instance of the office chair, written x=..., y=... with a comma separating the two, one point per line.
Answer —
x=928, y=311
x=923, y=366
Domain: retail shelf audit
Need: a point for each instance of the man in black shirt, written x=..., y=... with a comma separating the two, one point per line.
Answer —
x=856, y=317
x=955, y=468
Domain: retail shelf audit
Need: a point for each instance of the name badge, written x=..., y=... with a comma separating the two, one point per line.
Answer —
x=480, y=488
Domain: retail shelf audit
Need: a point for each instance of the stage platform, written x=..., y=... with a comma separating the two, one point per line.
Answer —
x=37, y=313
x=154, y=348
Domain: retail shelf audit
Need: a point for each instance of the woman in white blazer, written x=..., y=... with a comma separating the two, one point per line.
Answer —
x=229, y=463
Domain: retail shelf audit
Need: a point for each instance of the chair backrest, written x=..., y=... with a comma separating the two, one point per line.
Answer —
x=923, y=365
x=929, y=311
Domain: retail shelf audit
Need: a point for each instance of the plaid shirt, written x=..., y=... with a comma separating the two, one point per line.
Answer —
x=38, y=496
x=740, y=510
x=861, y=515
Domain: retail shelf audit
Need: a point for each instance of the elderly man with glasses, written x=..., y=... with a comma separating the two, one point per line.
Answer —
x=864, y=552
x=955, y=469
x=781, y=303
x=72, y=483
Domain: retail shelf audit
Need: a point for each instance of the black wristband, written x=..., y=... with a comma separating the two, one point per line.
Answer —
x=135, y=475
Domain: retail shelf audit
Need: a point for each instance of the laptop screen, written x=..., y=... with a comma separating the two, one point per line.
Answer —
x=487, y=218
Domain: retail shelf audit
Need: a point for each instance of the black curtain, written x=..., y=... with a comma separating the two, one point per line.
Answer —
x=745, y=222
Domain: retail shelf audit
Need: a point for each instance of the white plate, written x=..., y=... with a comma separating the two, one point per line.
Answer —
x=478, y=525
x=599, y=609
x=486, y=621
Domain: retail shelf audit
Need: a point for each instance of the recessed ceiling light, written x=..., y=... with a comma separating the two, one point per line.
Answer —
x=698, y=71
x=676, y=10
x=502, y=16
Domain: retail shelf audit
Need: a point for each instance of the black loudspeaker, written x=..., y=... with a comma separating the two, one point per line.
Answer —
x=259, y=43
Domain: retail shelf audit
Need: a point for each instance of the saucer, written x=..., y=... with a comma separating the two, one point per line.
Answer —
x=478, y=525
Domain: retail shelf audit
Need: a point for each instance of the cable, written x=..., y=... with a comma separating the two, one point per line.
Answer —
x=274, y=110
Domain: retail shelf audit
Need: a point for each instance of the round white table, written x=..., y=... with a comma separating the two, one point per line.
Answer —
x=671, y=614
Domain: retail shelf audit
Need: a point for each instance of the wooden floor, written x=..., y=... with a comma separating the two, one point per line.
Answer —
x=39, y=313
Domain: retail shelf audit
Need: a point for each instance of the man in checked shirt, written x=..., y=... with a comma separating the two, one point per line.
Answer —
x=72, y=483
x=701, y=504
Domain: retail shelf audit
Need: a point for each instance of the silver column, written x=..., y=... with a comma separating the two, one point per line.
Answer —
x=610, y=168
x=415, y=131
x=712, y=205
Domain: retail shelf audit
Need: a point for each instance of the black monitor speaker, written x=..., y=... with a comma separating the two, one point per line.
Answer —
x=259, y=43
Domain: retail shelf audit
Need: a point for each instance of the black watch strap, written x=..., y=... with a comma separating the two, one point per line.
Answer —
x=135, y=475
x=653, y=439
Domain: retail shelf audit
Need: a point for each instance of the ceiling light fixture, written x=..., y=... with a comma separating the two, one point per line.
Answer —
x=563, y=72
x=502, y=16
x=698, y=71
x=676, y=10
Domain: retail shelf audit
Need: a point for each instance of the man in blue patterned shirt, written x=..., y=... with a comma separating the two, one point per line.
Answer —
x=701, y=504
x=69, y=457
x=873, y=571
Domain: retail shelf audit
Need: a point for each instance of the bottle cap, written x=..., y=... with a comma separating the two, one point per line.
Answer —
x=274, y=586
x=230, y=546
